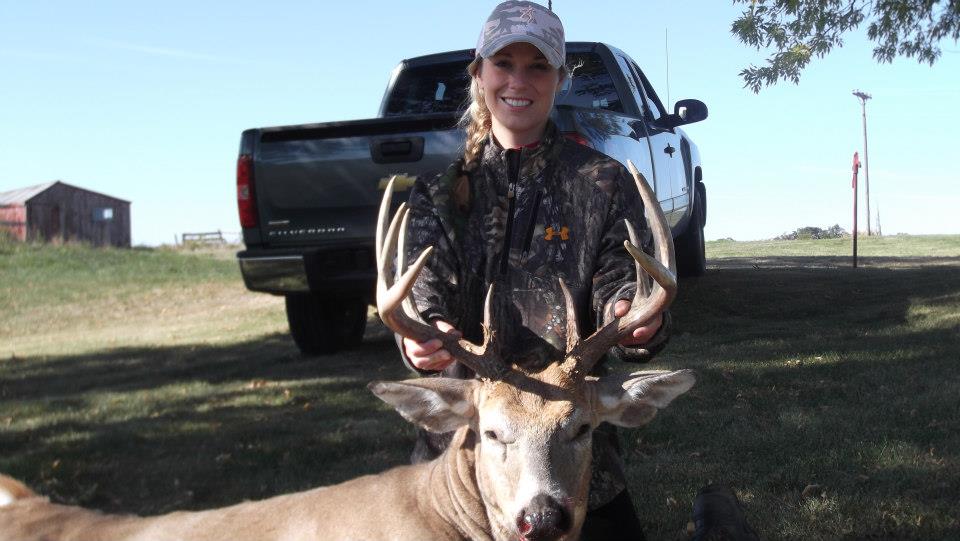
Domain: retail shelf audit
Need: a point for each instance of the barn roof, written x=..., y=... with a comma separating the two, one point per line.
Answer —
x=22, y=195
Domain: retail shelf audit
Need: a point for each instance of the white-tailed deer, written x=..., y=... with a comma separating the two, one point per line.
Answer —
x=518, y=466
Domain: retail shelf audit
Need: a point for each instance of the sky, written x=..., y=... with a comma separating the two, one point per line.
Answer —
x=146, y=101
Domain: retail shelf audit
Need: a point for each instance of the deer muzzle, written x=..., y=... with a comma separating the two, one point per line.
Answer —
x=544, y=519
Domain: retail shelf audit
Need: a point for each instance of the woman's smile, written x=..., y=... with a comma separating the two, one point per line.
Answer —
x=517, y=102
x=519, y=86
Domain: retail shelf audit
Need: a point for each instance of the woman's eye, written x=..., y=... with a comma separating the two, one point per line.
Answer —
x=502, y=64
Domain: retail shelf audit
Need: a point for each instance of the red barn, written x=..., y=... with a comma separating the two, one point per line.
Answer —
x=59, y=211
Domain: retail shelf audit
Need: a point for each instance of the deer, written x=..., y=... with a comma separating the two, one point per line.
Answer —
x=518, y=466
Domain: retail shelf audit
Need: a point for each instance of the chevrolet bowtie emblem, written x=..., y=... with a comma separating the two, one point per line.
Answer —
x=564, y=233
x=403, y=182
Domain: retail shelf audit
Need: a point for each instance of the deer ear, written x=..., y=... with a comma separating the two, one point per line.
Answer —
x=436, y=404
x=633, y=400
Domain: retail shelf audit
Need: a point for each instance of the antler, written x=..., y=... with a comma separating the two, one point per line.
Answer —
x=646, y=303
x=393, y=300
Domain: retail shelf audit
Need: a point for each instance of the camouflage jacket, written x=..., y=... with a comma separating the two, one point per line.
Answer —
x=522, y=219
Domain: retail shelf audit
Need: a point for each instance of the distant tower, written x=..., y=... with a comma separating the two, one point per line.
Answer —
x=879, y=230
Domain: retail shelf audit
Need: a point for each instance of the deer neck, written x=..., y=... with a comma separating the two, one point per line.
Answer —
x=454, y=494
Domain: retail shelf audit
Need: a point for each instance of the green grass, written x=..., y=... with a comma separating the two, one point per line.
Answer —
x=897, y=246
x=810, y=372
x=71, y=298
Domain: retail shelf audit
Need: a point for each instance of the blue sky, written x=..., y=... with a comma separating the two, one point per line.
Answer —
x=146, y=101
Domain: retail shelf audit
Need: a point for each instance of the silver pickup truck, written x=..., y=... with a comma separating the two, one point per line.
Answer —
x=308, y=194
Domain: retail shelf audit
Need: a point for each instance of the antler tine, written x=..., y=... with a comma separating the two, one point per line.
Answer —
x=662, y=239
x=573, y=330
x=382, y=213
x=409, y=306
x=642, y=285
x=488, y=317
x=645, y=304
x=391, y=295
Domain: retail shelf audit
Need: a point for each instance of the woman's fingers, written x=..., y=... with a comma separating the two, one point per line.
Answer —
x=430, y=355
x=642, y=334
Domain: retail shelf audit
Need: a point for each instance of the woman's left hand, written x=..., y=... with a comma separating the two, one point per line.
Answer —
x=643, y=333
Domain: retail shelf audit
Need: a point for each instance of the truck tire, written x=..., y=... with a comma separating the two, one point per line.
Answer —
x=691, y=252
x=323, y=325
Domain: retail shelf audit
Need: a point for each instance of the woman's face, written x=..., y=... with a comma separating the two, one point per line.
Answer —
x=518, y=87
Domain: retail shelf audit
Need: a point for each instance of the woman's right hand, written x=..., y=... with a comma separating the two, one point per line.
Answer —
x=430, y=355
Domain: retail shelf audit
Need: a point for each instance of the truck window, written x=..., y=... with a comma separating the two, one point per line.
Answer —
x=634, y=85
x=436, y=88
x=653, y=101
x=444, y=88
x=591, y=86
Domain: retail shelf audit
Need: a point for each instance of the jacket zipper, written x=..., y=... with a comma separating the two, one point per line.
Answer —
x=513, y=176
x=528, y=238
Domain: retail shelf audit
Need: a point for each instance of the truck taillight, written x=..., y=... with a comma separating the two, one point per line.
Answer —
x=577, y=138
x=246, y=195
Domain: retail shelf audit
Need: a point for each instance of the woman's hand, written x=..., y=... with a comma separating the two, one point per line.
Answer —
x=430, y=355
x=642, y=334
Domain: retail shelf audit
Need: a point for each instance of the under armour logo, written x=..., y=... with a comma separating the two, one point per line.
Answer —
x=564, y=233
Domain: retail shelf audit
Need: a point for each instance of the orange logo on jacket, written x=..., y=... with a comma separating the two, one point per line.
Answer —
x=564, y=233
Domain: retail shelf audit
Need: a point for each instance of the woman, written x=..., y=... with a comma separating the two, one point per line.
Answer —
x=521, y=208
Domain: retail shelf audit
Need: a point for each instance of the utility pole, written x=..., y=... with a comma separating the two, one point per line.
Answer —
x=866, y=157
x=856, y=168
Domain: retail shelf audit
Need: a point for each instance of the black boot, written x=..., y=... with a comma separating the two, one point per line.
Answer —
x=718, y=516
x=614, y=521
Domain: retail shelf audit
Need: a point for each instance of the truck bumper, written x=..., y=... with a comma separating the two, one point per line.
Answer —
x=339, y=272
x=280, y=274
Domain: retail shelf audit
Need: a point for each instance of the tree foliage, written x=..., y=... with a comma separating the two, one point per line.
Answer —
x=798, y=30
x=813, y=233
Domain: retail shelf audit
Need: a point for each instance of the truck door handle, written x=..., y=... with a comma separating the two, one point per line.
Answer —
x=669, y=150
x=396, y=149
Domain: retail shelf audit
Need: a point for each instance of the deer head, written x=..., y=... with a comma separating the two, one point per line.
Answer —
x=533, y=430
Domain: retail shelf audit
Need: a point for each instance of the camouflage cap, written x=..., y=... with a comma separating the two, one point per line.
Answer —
x=520, y=21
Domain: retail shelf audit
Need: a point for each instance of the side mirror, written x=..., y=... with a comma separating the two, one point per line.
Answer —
x=684, y=112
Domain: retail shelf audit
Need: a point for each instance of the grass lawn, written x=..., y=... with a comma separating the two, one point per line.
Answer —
x=150, y=380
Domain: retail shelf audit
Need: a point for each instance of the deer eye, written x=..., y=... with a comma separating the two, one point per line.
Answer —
x=491, y=435
x=582, y=431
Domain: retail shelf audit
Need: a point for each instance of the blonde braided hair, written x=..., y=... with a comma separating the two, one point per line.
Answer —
x=477, y=119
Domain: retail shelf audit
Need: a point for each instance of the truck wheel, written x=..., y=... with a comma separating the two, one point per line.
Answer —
x=691, y=252
x=322, y=325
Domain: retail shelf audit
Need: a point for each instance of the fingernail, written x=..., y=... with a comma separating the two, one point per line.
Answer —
x=444, y=356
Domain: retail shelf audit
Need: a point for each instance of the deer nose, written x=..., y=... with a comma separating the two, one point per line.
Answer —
x=544, y=519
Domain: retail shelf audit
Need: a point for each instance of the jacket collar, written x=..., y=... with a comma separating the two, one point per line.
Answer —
x=493, y=152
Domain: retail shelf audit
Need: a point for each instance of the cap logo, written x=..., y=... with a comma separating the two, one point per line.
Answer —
x=526, y=15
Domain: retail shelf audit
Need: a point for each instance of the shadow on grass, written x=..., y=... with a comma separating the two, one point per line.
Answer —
x=149, y=430
x=810, y=373
x=133, y=368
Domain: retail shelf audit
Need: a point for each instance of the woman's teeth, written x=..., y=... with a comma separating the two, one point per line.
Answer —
x=515, y=102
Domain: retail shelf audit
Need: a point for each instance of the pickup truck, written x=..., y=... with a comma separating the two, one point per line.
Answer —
x=308, y=194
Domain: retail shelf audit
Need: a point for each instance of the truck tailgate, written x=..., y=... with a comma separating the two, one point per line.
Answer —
x=326, y=180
